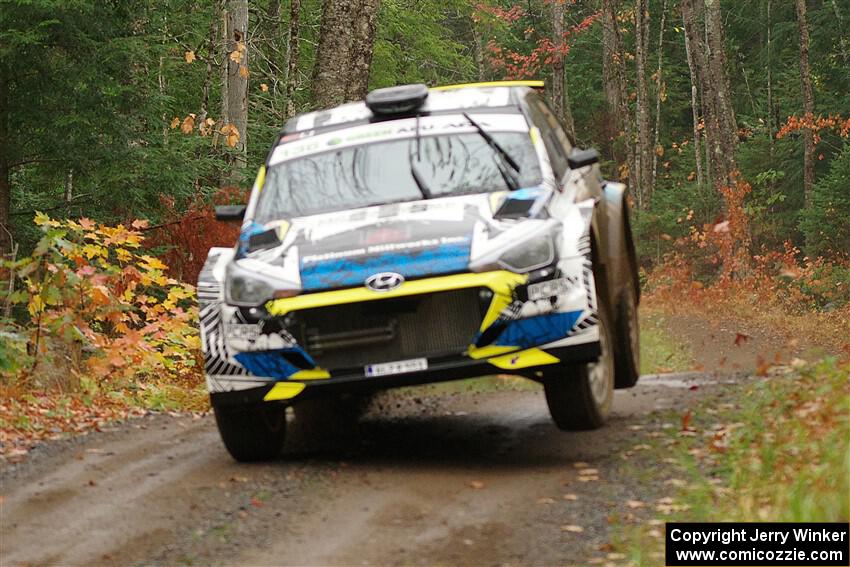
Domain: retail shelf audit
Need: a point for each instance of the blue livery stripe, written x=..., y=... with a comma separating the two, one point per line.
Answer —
x=347, y=272
x=536, y=331
x=272, y=363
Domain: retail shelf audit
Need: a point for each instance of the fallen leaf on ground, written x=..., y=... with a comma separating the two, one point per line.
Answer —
x=572, y=497
x=634, y=504
x=686, y=421
x=476, y=484
x=545, y=500
x=762, y=366
x=741, y=338
x=572, y=528
x=588, y=472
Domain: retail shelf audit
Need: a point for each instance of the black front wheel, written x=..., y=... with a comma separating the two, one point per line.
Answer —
x=627, y=349
x=580, y=396
x=252, y=432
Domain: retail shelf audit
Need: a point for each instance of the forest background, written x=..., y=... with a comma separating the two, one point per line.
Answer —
x=123, y=121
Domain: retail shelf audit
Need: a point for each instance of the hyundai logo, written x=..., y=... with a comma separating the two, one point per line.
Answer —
x=384, y=281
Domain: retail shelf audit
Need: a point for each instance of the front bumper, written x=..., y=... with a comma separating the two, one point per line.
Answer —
x=269, y=359
x=438, y=371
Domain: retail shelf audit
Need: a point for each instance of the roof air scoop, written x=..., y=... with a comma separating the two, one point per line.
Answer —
x=405, y=99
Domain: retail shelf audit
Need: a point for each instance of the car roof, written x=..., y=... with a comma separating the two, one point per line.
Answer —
x=503, y=96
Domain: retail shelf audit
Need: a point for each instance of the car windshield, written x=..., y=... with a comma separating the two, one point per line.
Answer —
x=377, y=173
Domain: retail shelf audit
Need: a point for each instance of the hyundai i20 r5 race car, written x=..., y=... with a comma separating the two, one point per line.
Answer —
x=421, y=235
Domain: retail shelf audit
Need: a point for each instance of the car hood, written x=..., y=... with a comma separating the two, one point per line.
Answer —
x=414, y=239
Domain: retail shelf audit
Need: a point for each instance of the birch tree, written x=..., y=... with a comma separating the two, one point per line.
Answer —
x=235, y=80
x=808, y=104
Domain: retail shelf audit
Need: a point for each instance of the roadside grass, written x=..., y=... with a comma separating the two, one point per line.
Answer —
x=660, y=351
x=780, y=452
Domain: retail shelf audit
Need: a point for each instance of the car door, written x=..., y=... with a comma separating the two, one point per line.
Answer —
x=587, y=184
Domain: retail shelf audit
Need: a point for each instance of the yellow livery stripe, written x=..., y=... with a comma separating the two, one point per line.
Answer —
x=313, y=374
x=260, y=180
x=523, y=359
x=284, y=391
x=489, y=350
x=532, y=84
x=501, y=283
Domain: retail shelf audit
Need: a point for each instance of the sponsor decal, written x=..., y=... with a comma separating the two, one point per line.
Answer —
x=383, y=248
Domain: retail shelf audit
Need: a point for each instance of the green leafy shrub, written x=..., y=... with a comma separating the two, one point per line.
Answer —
x=98, y=305
x=826, y=224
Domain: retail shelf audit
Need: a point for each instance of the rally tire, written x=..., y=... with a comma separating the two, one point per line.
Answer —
x=627, y=348
x=580, y=396
x=252, y=432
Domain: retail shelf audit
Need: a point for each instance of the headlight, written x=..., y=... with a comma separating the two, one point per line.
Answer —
x=247, y=288
x=246, y=291
x=529, y=255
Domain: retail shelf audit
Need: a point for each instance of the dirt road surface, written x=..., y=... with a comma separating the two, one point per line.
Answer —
x=433, y=478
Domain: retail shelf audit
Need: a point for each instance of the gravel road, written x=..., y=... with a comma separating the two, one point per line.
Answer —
x=426, y=477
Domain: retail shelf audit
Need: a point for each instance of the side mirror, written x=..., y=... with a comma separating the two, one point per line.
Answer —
x=230, y=212
x=581, y=158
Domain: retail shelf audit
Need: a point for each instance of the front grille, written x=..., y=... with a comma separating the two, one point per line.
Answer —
x=386, y=330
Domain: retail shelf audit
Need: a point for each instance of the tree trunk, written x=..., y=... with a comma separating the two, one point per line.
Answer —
x=558, y=63
x=613, y=126
x=643, y=157
x=363, y=42
x=694, y=105
x=615, y=85
x=5, y=172
x=225, y=65
x=478, y=47
x=770, y=122
x=212, y=41
x=293, y=55
x=331, y=73
x=569, y=121
x=659, y=92
x=808, y=105
x=236, y=99
x=727, y=134
x=695, y=48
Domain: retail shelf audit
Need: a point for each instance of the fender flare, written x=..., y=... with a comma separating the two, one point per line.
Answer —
x=620, y=230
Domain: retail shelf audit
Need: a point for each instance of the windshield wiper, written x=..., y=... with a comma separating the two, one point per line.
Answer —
x=423, y=187
x=417, y=177
x=504, y=157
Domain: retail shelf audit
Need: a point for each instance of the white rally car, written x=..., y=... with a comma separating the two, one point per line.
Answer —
x=418, y=236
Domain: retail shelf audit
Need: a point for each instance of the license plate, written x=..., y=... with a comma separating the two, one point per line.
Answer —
x=397, y=367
